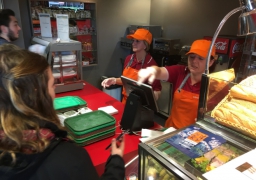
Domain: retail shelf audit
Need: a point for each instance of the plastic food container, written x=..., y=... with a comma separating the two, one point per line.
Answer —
x=66, y=103
x=90, y=127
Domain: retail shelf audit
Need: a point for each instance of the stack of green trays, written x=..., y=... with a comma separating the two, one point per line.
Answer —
x=67, y=103
x=90, y=127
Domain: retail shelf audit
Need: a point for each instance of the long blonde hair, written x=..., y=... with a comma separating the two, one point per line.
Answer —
x=24, y=100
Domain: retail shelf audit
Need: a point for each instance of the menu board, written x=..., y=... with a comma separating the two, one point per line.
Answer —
x=45, y=25
x=195, y=141
x=62, y=27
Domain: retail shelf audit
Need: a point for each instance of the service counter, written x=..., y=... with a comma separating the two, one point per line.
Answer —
x=96, y=98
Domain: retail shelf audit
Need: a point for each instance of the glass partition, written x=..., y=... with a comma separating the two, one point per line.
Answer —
x=1, y=4
x=230, y=104
x=226, y=109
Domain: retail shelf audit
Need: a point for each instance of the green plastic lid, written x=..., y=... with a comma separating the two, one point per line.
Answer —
x=68, y=102
x=89, y=122
x=94, y=136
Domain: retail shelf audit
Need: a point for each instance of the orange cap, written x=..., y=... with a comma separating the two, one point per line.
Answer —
x=201, y=47
x=141, y=34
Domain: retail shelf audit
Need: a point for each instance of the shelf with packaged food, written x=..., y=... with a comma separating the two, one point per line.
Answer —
x=86, y=34
x=65, y=66
x=88, y=65
x=89, y=50
x=36, y=20
x=82, y=23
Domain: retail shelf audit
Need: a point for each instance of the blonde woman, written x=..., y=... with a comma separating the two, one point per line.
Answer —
x=142, y=39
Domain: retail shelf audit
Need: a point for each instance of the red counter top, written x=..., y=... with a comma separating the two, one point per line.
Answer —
x=96, y=98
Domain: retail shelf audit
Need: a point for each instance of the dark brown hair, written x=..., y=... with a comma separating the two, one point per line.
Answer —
x=5, y=17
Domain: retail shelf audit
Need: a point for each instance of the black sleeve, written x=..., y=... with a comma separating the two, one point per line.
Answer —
x=114, y=168
x=67, y=162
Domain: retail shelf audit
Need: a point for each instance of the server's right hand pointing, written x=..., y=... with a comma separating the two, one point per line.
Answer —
x=148, y=73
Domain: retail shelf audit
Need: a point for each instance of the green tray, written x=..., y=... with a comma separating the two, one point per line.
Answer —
x=94, y=138
x=89, y=122
x=90, y=133
x=68, y=102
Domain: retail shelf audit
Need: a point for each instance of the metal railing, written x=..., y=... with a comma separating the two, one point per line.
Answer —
x=1, y=4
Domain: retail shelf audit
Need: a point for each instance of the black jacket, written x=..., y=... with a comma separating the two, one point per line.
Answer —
x=61, y=160
x=3, y=41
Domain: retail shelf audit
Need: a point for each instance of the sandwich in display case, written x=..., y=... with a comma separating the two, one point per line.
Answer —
x=224, y=131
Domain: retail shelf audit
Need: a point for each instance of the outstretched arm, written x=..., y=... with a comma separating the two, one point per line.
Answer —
x=111, y=81
x=152, y=73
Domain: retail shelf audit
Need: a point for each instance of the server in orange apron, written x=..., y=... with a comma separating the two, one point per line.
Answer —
x=142, y=39
x=186, y=82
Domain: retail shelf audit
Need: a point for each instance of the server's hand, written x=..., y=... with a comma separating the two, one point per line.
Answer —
x=147, y=74
x=108, y=82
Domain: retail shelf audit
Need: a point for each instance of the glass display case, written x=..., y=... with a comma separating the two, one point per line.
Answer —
x=65, y=61
x=247, y=66
x=224, y=130
x=82, y=24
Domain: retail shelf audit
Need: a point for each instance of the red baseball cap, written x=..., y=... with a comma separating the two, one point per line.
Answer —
x=141, y=34
x=201, y=48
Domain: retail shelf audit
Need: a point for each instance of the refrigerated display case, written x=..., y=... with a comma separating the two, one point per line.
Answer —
x=223, y=114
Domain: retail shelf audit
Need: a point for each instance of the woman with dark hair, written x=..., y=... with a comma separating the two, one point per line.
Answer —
x=33, y=145
x=142, y=39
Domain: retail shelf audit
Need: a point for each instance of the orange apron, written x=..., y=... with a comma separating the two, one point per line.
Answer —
x=184, y=109
x=130, y=73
